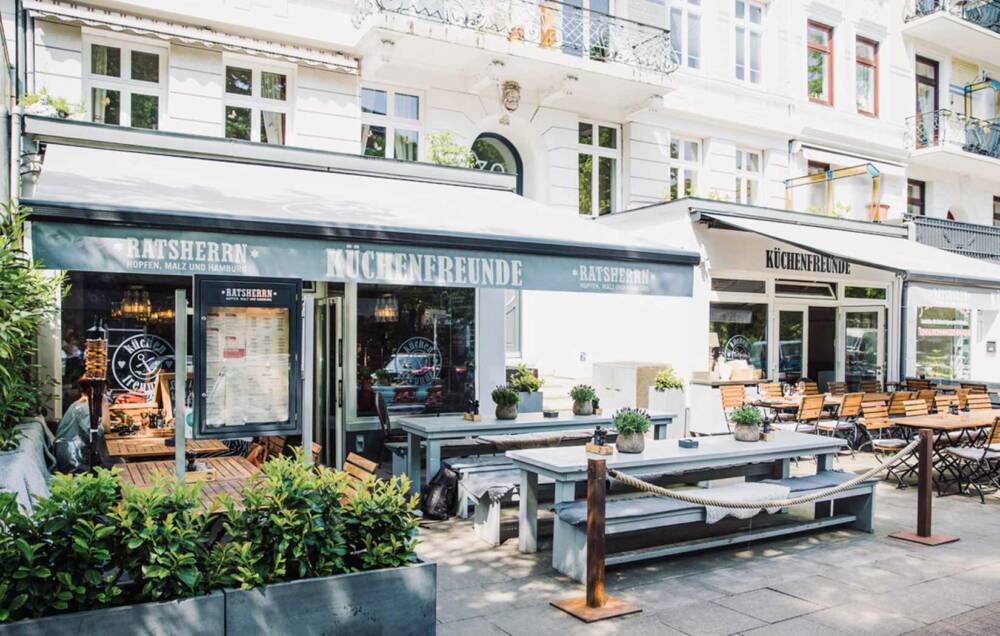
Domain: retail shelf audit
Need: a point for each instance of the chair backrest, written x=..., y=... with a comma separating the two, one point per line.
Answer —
x=274, y=446
x=913, y=408
x=876, y=415
x=979, y=402
x=808, y=387
x=317, y=450
x=871, y=386
x=837, y=388
x=256, y=454
x=995, y=435
x=873, y=397
x=850, y=406
x=733, y=395
x=943, y=401
x=383, y=415
x=896, y=402
x=811, y=408
x=927, y=395
x=917, y=384
x=974, y=387
x=358, y=470
x=962, y=395
x=770, y=391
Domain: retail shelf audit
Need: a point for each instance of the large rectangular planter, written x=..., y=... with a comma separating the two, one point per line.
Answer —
x=530, y=402
x=199, y=616
x=396, y=602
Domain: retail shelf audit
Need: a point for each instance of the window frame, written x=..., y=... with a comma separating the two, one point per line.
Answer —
x=687, y=9
x=124, y=84
x=872, y=64
x=254, y=101
x=684, y=166
x=597, y=151
x=743, y=176
x=996, y=211
x=922, y=201
x=749, y=29
x=828, y=51
x=390, y=121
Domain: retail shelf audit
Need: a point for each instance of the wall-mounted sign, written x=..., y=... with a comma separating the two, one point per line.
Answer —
x=737, y=348
x=137, y=360
x=74, y=246
x=778, y=258
x=247, y=340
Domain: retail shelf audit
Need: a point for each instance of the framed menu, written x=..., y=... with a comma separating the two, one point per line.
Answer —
x=247, y=356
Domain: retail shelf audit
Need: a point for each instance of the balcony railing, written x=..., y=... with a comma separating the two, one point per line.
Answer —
x=967, y=239
x=944, y=129
x=546, y=24
x=985, y=13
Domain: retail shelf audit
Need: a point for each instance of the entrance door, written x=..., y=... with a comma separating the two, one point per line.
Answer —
x=863, y=351
x=927, y=120
x=793, y=336
x=822, y=350
x=328, y=382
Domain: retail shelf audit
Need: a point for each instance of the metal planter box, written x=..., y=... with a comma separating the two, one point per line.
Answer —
x=198, y=616
x=530, y=402
x=397, y=601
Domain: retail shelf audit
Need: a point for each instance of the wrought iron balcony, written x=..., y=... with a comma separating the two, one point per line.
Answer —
x=985, y=13
x=967, y=239
x=947, y=129
x=546, y=24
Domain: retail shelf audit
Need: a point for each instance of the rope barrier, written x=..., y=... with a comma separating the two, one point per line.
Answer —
x=688, y=497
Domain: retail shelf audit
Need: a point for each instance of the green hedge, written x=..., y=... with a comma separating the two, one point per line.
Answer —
x=95, y=543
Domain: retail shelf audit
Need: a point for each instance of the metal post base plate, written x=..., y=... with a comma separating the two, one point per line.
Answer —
x=934, y=539
x=613, y=607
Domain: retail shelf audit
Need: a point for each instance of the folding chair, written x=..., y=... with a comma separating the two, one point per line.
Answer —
x=914, y=408
x=808, y=387
x=807, y=419
x=974, y=387
x=973, y=466
x=885, y=439
x=770, y=391
x=978, y=402
x=943, y=402
x=845, y=424
x=896, y=403
x=927, y=395
x=733, y=396
x=917, y=384
x=837, y=388
x=871, y=386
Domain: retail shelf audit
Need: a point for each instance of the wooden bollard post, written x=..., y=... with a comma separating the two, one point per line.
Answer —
x=596, y=605
x=925, y=497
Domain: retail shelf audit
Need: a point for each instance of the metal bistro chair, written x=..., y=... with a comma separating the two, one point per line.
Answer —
x=915, y=408
x=392, y=439
x=943, y=402
x=733, y=396
x=845, y=424
x=975, y=387
x=973, y=466
x=808, y=387
x=807, y=419
x=917, y=384
x=871, y=386
x=927, y=395
x=885, y=438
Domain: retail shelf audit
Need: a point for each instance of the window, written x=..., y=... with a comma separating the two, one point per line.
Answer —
x=416, y=348
x=742, y=330
x=256, y=101
x=685, y=160
x=916, y=197
x=390, y=124
x=736, y=285
x=868, y=293
x=685, y=32
x=800, y=289
x=749, y=36
x=866, y=76
x=944, y=342
x=819, y=63
x=748, y=169
x=996, y=211
x=597, y=168
x=124, y=83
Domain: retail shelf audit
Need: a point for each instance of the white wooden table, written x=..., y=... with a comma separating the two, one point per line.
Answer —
x=567, y=466
x=435, y=430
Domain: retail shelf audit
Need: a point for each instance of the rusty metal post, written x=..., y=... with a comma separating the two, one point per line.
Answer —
x=925, y=496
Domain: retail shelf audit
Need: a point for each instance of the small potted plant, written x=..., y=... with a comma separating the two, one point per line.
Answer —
x=527, y=384
x=583, y=399
x=506, y=400
x=631, y=425
x=667, y=393
x=746, y=421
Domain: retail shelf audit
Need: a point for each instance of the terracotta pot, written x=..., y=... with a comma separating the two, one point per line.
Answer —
x=508, y=412
x=583, y=407
x=631, y=442
x=746, y=432
x=878, y=213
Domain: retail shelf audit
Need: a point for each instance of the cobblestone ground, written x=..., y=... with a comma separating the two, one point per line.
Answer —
x=839, y=582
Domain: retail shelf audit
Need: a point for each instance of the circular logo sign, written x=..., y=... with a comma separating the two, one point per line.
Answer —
x=737, y=348
x=137, y=360
x=418, y=362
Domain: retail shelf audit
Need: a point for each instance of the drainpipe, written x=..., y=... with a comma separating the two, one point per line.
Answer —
x=903, y=314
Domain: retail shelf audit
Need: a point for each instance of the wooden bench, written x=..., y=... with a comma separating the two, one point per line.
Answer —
x=853, y=508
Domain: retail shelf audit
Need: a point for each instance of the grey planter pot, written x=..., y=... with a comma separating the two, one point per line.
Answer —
x=631, y=442
x=583, y=407
x=397, y=601
x=746, y=432
x=508, y=412
x=199, y=616
x=530, y=402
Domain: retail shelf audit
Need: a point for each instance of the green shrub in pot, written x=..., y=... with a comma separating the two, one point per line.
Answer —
x=746, y=422
x=506, y=400
x=667, y=379
x=523, y=380
x=583, y=399
x=632, y=425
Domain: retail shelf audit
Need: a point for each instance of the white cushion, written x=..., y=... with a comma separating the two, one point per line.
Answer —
x=835, y=425
x=972, y=454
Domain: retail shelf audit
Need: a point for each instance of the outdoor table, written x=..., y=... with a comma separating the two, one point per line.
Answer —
x=793, y=402
x=566, y=466
x=132, y=448
x=969, y=425
x=231, y=474
x=436, y=430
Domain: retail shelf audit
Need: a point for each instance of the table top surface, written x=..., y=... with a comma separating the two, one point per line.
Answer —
x=452, y=426
x=140, y=447
x=720, y=450
x=228, y=469
x=949, y=422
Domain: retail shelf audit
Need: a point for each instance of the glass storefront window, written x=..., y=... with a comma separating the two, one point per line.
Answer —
x=943, y=342
x=742, y=329
x=416, y=348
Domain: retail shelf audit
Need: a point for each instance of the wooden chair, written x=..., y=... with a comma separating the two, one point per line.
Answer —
x=770, y=391
x=257, y=454
x=914, y=408
x=962, y=395
x=845, y=424
x=871, y=386
x=807, y=419
x=274, y=446
x=973, y=466
x=927, y=395
x=808, y=387
x=943, y=402
x=358, y=469
x=872, y=398
x=837, y=388
x=884, y=438
x=979, y=402
x=896, y=403
x=974, y=387
x=733, y=396
x=917, y=384
x=390, y=436
x=317, y=450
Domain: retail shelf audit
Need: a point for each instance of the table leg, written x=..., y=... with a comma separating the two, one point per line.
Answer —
x=527, y=514
x=433, y=458
x=413, y=461
x=824, y=462
x=660, y=429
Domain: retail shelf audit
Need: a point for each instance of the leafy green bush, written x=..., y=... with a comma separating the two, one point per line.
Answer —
x=667, y=379
x=523, y=380
x=745, y=415
x=505, y=396
x=27, y=298
x=381, y=526
x=626, y=420
x=62, y=107
x=583, y=393
x=445, y=151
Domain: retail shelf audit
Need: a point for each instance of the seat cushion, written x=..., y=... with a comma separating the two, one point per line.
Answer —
x=822, y=479
x=889, y=442
x=972, y=454
x=835, y=425
x=575, y=512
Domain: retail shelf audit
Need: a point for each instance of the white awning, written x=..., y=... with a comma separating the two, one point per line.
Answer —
x=914, y=260
x=73, y=13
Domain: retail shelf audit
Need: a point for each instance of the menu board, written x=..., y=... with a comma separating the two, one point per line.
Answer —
x=248, y=345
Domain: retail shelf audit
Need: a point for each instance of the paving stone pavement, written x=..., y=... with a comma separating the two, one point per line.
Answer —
x=837, y=582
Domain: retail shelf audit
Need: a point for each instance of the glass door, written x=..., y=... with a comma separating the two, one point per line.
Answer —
x=864, y=344
x=927, y=120
x=792, y=340
x=328, y=382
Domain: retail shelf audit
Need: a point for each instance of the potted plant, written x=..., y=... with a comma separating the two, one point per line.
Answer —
x=527, y=384
x=506, y=400
x=583, y=399
x=667, y=393
x=631, y=425
x=746, y=421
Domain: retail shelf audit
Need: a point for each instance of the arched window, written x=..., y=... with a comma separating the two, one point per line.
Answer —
x=496, y=154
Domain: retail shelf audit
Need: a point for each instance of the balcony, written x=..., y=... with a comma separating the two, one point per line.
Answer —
x=967, y=239
x=946, y=140
x=970, y=29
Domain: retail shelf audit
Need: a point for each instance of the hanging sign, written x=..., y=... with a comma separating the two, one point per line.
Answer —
x=778, y=258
